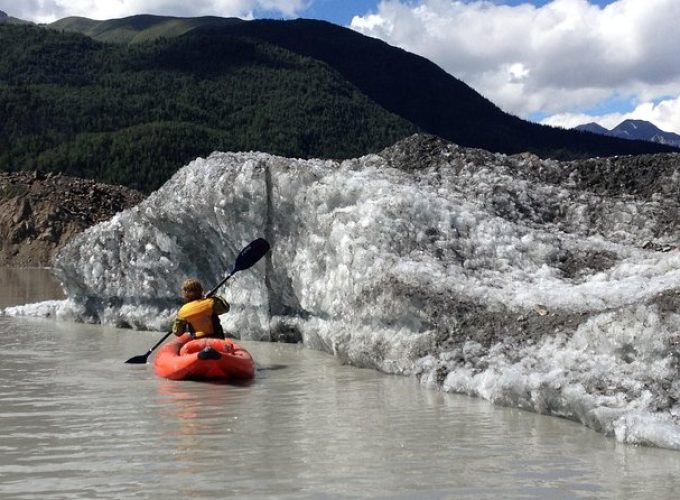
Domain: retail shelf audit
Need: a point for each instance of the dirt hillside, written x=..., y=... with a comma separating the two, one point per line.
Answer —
x=40, y=213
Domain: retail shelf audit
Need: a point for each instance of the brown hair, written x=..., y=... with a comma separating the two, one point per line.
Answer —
x=192, y=289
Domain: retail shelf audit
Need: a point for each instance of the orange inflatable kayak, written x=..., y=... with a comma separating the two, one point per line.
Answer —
x=204, y=359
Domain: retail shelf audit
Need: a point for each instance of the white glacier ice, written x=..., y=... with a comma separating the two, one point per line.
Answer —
x=518, y=280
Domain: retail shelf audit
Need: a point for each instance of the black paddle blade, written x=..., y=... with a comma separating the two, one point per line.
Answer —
x=251, y=254
x=139, y=360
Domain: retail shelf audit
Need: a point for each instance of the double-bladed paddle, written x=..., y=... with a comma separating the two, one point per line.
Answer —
x=246, y=259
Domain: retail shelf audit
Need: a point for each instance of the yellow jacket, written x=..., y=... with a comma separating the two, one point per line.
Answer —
x=200, y=317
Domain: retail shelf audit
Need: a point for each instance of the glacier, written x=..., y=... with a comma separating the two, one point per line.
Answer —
x=544, y=285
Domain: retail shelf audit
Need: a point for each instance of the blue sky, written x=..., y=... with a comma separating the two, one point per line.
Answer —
x=562, y=62
x=339, y=12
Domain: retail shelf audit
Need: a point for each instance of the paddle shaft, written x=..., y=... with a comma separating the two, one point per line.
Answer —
x=214, y=290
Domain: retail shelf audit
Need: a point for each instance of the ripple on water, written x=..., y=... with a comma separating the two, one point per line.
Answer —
x=77, y=422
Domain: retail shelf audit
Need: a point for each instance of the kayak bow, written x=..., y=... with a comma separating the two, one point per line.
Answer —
x=204, y=359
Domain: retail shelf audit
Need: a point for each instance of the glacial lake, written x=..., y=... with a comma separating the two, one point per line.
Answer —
x=77, y=422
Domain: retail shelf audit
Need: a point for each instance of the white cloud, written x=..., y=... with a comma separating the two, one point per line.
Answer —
x=564, y=55
x=51, y=10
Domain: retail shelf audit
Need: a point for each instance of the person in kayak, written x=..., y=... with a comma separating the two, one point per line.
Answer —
x=199, y=316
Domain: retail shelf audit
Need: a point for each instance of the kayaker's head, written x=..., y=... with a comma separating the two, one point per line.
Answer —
x=192, y=289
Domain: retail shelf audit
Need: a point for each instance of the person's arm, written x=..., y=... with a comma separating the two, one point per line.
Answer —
x=220, y=305
x=179, y=326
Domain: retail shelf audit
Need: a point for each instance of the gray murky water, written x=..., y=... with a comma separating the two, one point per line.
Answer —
x=77, y=422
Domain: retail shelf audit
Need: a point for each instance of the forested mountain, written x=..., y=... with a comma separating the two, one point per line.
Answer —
x=171, y=89
x=137, y=29
x=133, y=114
x=421, y=92
x=403, y=83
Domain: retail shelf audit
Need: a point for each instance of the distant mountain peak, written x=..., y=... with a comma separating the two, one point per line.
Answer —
x=5, y=18
x=593, y=127
x=634, y=129
x=637, y=130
